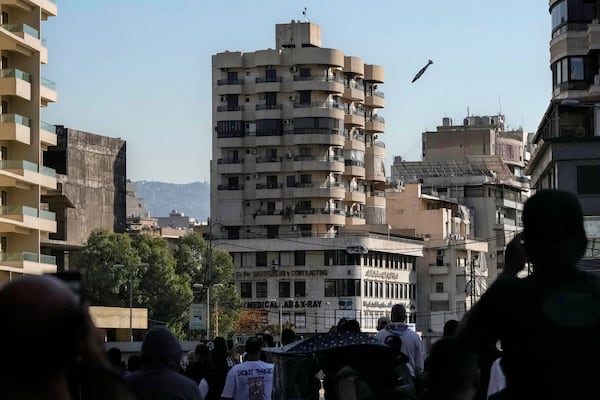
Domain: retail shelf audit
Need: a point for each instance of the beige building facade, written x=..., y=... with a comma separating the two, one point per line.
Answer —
x=297, y=161
x=24, y=220
x=452, y=274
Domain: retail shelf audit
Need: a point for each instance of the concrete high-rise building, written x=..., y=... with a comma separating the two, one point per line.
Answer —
x=24, y=220
x=479, y=164
x=567, y=154
x=297, y=160
x=91, y=192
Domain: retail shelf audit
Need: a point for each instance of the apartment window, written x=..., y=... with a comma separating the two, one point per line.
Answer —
x=305, y=152
x=304, y=97
x=300, y=320
x=261, y=290
x=4, y=17
x=285, y=289
x=245, y=290
x=343, y=287
x=272, y=231
x=265, y=127
x=261, y=258
x=233, y=183
x=290, y=181
x=588, y=179
x=271, y=75
x=299, y=257
x=3, y=198
x=304, y=72
x=330, y=288
x=305, y=179
x=4, y=153
x=303, y=205
x=299, y=289
x=271, y=99
x=272, y=181
x=439, y=287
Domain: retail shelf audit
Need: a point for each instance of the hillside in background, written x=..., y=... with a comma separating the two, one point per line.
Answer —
x=160, y=198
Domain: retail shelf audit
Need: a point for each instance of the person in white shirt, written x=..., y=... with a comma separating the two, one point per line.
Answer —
x=252, y=379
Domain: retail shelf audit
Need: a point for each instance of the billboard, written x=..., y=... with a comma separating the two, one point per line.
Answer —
x=197, y=316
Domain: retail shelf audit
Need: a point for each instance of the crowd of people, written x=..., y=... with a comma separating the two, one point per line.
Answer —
x=526, y=338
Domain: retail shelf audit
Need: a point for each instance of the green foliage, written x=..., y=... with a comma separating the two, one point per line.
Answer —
x=161, y=277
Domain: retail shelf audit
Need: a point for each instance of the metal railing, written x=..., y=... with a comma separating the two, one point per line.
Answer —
x=269, y=185
x=316, y=131
x=329, y=105
x=229, y=108
x=230, y=187
x=268, y=79
x=269, y=106
x=377, y=93
x=234, y=81
x=320, y=78
x=260, y=160
x=230, y=161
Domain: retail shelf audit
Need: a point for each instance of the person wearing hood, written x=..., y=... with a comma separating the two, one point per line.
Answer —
x=411, y=342
x=159, y=379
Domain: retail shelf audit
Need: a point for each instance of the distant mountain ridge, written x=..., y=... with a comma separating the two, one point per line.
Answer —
x=160, y=198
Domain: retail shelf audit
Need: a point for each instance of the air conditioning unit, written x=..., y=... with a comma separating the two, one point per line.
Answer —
x=262, y=96
x=287, y=121
x=255, y=176
x=223, y=98
x=293, y=68
x=294, y=228
x=289, y=155
x=292, y=98
x=253, y=151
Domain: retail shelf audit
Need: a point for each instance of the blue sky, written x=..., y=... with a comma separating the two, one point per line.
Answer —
x=141, y=69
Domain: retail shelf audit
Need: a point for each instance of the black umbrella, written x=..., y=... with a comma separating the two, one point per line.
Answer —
x=331, y=341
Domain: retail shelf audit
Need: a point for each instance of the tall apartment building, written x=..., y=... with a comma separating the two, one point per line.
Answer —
x=24, y=220
x=567, y=154
x=91, y=189
x=298, y=183
x=452, y=274
x=481, y=165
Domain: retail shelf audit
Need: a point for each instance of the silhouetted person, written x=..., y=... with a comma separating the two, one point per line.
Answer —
x=214, y=379
x=201, y=364
x=287, y=336
x=450, y=328
x=115, y=358
x=49, y=347
x=159, y=379
x=382, y=322
x=452, y=374
x=349, y=325
x=411, y=341
x=134, y=362
x=548, y=323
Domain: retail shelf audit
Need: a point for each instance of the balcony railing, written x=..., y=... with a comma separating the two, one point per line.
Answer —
x=48, y=84
x=354, y=163
x=379, y=144
x=319, y=186
x=230, y=161
x=230, y=187
x=360, y=113
x=322, y=211
x=15, y=73
x=269, y=106
x=29, y=211
x=269, y=185
x=377, y=93
x=316, y=131
x=234, y=81
x=355, y=214
x=329, y=105
x=15, y=119
x=376, y=118
x=229, y=108
x=269, y=212
x=268, y=79
x=268, y=159
x=24, y=28
x=230, y=134
x=322, y=78
x=28, y=256
x=325, y=159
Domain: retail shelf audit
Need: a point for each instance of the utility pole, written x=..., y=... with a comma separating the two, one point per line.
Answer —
x=473, y=282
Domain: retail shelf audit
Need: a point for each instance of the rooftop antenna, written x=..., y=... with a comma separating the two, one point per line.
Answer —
x=499, y=105
x=304, y=15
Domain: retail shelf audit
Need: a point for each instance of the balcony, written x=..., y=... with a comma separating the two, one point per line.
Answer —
x=354, y=92
x=228, y=107
x=268, y=164
x=375, y=124
x=318, y=136
x=354, y=142
x=355, y=218
x=268, y=84
x=14, y=82
x=376, y=198
x=268, y=217
x=324, y=83
x=15, y=127
x=29, y=35
x=230, y=165
x=375, y=99
x=357, y=118
x=15, y=173
x=328, y=191
x=319, y=109
x=319, y=216
x=48, y=91
x=230, y=187
x=230, y=86
x=374, y=73
x=355, y=168
x=309, y=163
x=13, y=219
x=355, y=196
x=269, y=190
x=48, y=135
x=28, y=262
x=376, y=150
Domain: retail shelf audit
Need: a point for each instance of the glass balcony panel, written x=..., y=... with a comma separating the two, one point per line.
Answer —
x=15, y=73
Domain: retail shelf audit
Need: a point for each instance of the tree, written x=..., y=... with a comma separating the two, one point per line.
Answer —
x=227, y=306
x=251, y=322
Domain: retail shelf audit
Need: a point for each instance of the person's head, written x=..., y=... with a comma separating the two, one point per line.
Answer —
x=452, y=372
x=161, y=348
x=114, y=357
x=220, y=343
x=253, y=348
x=553, y=234
x=42, y=321
x=515, y=256
x=382, y=322
x=134, y=362
x=450, y=327
x=201, y=352
x=350, y=325
x=268, y=340
x=398, y=313
x=287, y=336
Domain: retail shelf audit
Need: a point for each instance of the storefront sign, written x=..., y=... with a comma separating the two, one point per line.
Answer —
x=280, y=273
x=285, y=304
x=376, y=273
